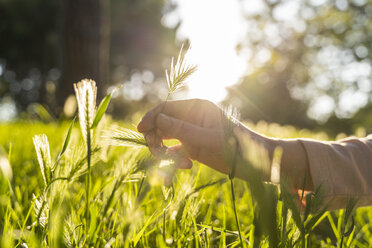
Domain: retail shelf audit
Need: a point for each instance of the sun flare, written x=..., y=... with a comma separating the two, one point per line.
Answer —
x=214, y=29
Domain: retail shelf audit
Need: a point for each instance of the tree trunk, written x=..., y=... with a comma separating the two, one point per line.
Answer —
x=85, y=44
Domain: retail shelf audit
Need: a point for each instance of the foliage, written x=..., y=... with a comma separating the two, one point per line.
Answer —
x=121, y=206
x=200, y=214
x=309, y=62
x=32, y=42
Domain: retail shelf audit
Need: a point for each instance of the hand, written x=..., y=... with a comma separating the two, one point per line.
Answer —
x=197, y=124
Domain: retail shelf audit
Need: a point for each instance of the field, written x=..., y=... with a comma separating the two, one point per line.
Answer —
x=95, y=184
x=130, y=206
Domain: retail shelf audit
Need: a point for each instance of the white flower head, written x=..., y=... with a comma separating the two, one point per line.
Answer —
x=86, y=93
x=43, y=155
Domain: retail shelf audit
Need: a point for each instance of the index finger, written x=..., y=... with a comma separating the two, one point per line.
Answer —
x=178, y=109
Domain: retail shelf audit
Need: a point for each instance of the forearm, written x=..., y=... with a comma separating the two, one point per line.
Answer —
x=294, y=167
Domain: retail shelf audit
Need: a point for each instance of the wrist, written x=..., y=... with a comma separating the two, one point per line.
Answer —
x=257, y=150
x=294, y=166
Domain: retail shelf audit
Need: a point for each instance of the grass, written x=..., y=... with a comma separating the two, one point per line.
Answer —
x=101, y=187
x=201, y=212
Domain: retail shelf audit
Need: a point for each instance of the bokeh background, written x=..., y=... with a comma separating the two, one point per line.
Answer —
x=305, y=63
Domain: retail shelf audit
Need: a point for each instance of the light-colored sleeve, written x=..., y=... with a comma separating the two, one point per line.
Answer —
x=342, y=168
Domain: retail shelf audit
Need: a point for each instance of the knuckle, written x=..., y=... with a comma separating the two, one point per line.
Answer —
x=160, y=106
x=204, y=104
x=198, y=101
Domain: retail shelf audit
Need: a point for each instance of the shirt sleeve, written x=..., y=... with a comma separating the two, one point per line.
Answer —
x=343, y=169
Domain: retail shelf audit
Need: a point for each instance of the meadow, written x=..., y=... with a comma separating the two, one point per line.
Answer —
x=196, y=211
x=92, y=182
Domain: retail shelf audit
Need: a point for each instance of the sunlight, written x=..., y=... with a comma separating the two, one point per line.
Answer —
x=214, y=28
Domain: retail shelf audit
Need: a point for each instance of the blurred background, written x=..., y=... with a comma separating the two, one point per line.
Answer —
x=305, y=63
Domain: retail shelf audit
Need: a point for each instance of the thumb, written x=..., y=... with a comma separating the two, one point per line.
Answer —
x=189, y=133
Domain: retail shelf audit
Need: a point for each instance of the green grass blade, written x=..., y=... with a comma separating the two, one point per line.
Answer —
x=68, y=137
x=350, y=238
x=288, y=199
x=333, y=226
x=101, y=111
x=311, y=223
x=102, y=108
x=146, y=224
x=340, y=221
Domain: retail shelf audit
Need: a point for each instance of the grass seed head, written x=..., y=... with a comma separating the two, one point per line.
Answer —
x=86, y=93
x=179, y=72
x=41, y=209
x=43, y=155
x=5, y=168
x=119, y=136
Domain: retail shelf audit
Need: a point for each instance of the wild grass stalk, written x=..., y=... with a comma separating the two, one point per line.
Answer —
x=119, y=136
x=235, y=212
x=86, y=92
x=232, y=150
x=178, y=74
x=43, y=206
x=231, y=177
x=253, y=164
x=138, y=217
x=43, y=156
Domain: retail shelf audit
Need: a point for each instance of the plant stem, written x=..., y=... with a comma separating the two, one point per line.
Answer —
x=88, y=179
x=235, y=212
x=164, y=226
x=231, y=177
x=141, y=184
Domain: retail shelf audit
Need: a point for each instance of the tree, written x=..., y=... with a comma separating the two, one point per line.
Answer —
x=85, y=46
x=29, y=38
x=47, y=45
x=319, y=52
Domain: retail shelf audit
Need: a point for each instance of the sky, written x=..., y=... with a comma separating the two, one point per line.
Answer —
x=214, y=28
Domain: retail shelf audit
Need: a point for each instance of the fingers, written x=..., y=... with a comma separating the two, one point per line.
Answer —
x=177, y=151
x=148, y=121
x=183, y=161
x=189, y=133
x=189, y=110
x=154, y=142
